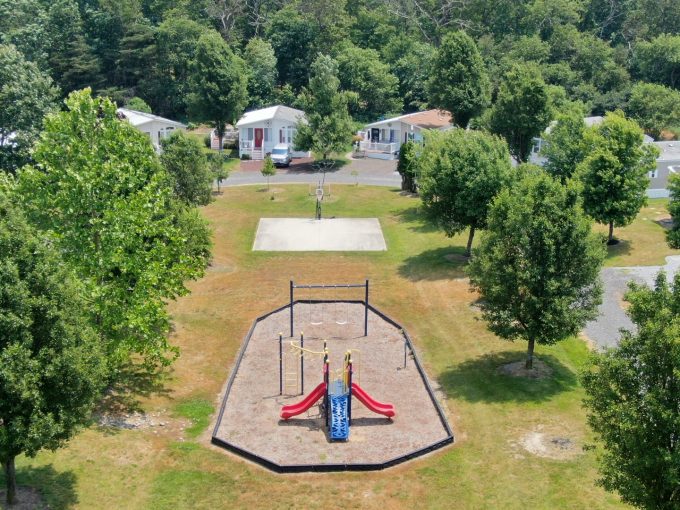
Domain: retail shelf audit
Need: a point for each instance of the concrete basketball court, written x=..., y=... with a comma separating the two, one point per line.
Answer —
x=328, y=234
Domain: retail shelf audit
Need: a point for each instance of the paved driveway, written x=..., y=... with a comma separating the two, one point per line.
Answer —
x=604, y=331
x=374, y=172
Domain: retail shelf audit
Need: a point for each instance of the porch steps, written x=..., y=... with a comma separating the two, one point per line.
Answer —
x=257, y=154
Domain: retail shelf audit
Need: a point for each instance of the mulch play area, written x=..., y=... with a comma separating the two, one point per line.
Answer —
x=249, y=422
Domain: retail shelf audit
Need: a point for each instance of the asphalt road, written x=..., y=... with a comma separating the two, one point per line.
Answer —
x=372, y=172
x=604, y=331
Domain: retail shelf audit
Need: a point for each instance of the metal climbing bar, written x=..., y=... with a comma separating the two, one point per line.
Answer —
x=294, y=286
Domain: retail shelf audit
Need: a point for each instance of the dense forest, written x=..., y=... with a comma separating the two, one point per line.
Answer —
x=595, y=50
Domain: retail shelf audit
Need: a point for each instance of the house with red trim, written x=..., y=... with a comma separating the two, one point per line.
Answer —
x=259, y=131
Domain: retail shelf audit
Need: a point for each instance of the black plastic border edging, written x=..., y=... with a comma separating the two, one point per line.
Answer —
x=326, y=468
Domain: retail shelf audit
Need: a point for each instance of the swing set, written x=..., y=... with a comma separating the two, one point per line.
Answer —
x=341, y=306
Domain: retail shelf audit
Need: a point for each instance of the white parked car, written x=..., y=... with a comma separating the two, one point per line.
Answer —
x=281, y=155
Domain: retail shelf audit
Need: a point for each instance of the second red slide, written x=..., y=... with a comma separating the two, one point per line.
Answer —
x=371, y=403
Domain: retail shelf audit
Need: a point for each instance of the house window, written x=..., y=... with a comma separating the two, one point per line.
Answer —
x=393, y=135
x=286, y=134
x=266, y=134
x=653, y=174
x=249, y=136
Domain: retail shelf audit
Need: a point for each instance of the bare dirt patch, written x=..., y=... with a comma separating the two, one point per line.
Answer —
x=550, y=445
x=517, y=369
x=138, y=421
x=28, y=498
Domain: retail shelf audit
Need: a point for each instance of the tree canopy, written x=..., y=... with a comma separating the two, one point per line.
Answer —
x=461, y=174
x=51, y=363
x=188, y=168
x=538, y=263
x=361, y=71
x=522, y=110
x=112, y=213
x=654, y=107
x=26, y=96
x=633, y=397
x=218, y=83
x=329, y=127
x=673, y=235
x=614, y=174
x=564, y=146
x=458, y=81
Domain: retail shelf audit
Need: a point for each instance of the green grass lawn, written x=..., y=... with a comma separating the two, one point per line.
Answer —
x=420, y=282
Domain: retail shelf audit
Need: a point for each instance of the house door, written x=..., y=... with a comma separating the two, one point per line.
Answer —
x=375, y=134
x=258, y=138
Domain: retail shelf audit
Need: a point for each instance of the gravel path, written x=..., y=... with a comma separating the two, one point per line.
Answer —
x=604, y=331
x=372, y=172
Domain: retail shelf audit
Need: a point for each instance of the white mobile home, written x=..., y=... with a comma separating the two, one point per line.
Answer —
x=155, y=127
x=260, y=130
x=382, y=139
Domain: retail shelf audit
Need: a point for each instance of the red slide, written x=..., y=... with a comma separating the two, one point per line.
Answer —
x=295, y=409
x=372, y=404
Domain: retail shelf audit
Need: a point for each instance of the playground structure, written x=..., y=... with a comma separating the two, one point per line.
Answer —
x=361, y=351
x=337, y=400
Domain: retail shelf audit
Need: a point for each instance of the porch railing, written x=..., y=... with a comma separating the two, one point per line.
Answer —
x=389, y=148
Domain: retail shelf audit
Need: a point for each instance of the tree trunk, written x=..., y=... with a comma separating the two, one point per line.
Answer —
x=11, y=476
x=530, y=355
x=611, y=232
x=219, y=130
x=468, y=249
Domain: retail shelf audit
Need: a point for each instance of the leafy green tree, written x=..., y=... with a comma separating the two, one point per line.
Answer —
x=72, y=62
x=461, y=173
x=23, y=24
x=137, y=54
x=329, y=20
x=633, y=397
x=361, y=71
x=186, y=164
x=673, y=235
x=26, y=95
x=654, y=107
x=138, y=104
x=458, y=80
x=167, y=88
x=522, y=109
x=217, y=169
x=329, y=127
x=52, y=368
x=219, y=84
x=294, y=42
x=658, y=61
x=268, y=169
x=412, y=69
x=614, y=174
x=564, y=146
x=407, y=166
x=115, y=220
x=537, y=267
x=261, y=61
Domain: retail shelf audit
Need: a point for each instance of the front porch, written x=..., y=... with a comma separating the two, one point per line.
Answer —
x=247, y=148
x=379, y=149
